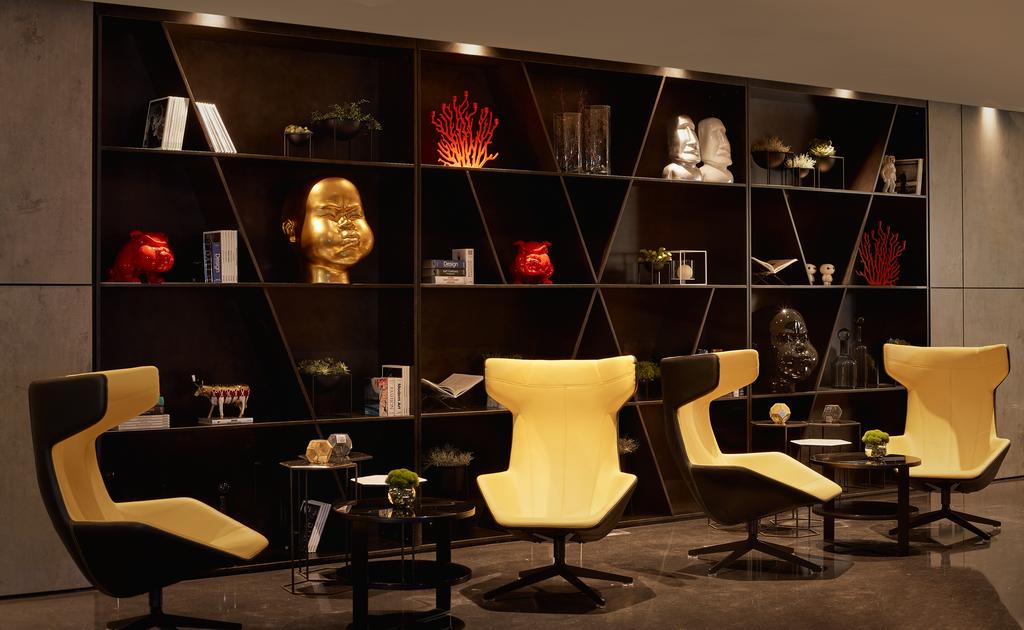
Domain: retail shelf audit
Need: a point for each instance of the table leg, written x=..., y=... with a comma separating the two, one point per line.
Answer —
x=443, y=592
x=360, y=575
x=291, y=526
x=903, y=510
x=829, y=521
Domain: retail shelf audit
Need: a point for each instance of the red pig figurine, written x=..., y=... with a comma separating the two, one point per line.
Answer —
x=532, y=264
x=147, y=253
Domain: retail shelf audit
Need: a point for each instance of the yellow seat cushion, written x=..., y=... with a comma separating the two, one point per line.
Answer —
x=198, y=522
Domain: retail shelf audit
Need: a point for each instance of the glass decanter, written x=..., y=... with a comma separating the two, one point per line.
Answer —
x=844, y=372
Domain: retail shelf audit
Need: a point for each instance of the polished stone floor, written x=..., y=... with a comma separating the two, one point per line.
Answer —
x=951, y=580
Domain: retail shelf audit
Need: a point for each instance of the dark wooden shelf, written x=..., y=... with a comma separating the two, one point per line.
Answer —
x=257, y=331
x=255, y=156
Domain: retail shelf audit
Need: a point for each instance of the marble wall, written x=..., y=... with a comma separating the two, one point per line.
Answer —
x=45, y=258
x=977, y=231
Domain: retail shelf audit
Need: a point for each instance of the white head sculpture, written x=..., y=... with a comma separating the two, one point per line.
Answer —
x=683, y=149
x=715, y=148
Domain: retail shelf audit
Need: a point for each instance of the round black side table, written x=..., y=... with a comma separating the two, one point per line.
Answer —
x=869, y=510
x=404, y=574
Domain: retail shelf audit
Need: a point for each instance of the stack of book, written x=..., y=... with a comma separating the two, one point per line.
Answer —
x=165, y=123
x=388, y=394
x=213, y=127
x=456, y=270
x=220, y=256
x=150, y=421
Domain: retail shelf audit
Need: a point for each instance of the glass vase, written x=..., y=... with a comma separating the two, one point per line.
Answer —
x=566, y=128
x=844, y=374
x=876, y=451
x=596, y=139
x=401, y=498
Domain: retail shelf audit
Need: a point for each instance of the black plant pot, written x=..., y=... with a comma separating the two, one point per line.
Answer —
x=331, y=395
x=299, y=139
x=344, y=129
x=768, y=159
x=448, y=482
x=824, y=164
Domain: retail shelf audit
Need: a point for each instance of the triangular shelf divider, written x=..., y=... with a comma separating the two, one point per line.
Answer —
x=597, y=204
x=452, y=219
x=827, y=226
x=651, y=323
x=597, y=338
x=773, y=234
x=651, y=495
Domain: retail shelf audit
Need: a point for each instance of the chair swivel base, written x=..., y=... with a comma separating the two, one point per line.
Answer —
x=568, y=572
x=157, y=618
x=740, y=548
x=963, y=519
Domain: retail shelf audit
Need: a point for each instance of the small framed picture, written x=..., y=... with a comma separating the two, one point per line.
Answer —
x=908, y=176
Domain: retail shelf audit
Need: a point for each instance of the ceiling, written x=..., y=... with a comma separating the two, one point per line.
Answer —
x=961, y=52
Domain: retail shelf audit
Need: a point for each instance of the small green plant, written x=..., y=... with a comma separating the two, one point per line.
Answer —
x=448, y=456
x=772, y=144
x=296, y=129
x=654, y=256
x=348, y=111
x=402, y=478
x=627, y=445
x=821, y=148
x=874, y=437
x=647, y=371
x=326, y=366
x=800, y=160
x=896, y=341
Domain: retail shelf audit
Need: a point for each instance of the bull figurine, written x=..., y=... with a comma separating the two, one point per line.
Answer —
x=220, y=395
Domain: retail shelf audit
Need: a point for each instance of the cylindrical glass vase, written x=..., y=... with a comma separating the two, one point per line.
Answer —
x=596, y=139
x=566, y=129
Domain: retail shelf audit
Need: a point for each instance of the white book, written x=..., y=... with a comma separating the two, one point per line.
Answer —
x=164, y=123
x=453, y=386
x=775, y=265
x=207, y=124
x=226, y=145
x=401, y=374
x=392, y=390
x=180, y=118
x=465, y=255
x=447, y=280
x=220, y=256
x=216, y=421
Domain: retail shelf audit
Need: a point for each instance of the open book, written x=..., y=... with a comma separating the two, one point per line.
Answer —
x=774, y=266
x=453, y=386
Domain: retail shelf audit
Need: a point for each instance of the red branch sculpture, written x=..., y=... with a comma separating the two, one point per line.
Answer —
x=460, y=144
x=880, y=251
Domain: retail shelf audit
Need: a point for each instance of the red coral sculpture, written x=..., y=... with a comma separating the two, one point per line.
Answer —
x=459, y=143
x=880, y=251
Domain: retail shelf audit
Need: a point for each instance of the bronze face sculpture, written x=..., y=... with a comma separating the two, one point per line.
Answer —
x=795, y=357
x=330, y=229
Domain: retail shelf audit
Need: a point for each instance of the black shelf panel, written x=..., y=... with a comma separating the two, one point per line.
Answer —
x=270, y=424
x=836, y=191
x=250, y=285
x=257, y=156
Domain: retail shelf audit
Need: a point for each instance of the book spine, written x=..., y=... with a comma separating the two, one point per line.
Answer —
x=435, y=263
x=465, y=256
x=217, y=273
x=447, y=280
x=180, y=118
x=207, y=257
x=443, y=272
x=229, y=256
x=392, y=396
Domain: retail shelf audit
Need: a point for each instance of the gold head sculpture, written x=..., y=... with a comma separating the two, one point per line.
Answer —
x=330, y=230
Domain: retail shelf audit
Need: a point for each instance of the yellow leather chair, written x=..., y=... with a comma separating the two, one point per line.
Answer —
x=563, y=481
x=732, y=488
x=951, y=422
x=131, y=548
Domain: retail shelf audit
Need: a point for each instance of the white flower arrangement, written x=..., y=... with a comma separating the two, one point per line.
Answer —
x=772, y=144
x=821, y=148
x=800, y=160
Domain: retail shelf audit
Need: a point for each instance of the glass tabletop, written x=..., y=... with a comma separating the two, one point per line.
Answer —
x=858, y=460
x=424, y=509
x=794, y=424
x=301, y=463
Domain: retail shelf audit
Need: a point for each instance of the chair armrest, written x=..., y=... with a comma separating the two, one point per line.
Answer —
x=197, y=522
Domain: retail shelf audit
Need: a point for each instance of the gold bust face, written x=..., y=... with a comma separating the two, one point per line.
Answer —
x=334, y=234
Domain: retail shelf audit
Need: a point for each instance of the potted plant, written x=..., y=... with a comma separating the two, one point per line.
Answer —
x=654, y=260
x=450, y=466
x=297, y=134
x=330, y=385
x=648, y=377
x=347, y=119
x=402, y=484
x=769, y=152
x=802, y=163
x=875, y=443
x=823, y=152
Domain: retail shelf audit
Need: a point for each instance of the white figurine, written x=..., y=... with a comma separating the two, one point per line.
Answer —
x=684, y=150
x=827, y=269
x=715, y=150
x=811, y=270
x=889, y=173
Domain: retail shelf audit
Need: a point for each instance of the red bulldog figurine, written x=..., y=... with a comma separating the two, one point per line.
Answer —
x=147, y=253
x=532, y=264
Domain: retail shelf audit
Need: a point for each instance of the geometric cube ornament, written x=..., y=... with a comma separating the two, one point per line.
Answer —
x=318, y=452
x=341, y=444
x=779, y=413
